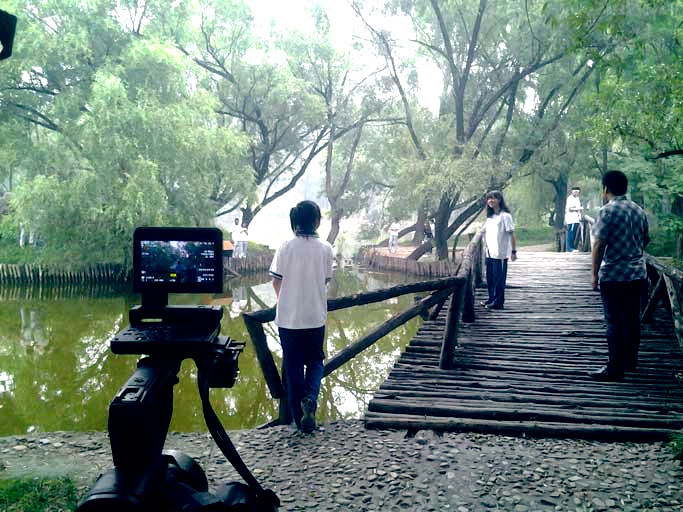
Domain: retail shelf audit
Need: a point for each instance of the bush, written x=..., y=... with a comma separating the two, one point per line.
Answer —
x=38, y=495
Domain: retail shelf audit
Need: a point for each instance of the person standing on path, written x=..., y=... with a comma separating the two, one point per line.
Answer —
x=572, y=217
x=619, y=273
x=394, y=229
x=501, y=245
x=300, y=271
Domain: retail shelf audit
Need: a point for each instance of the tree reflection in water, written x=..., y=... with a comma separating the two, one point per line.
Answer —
x=57, y=372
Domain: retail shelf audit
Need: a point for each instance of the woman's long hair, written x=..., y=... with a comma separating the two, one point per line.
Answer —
x=305, y=218
x=498, y=195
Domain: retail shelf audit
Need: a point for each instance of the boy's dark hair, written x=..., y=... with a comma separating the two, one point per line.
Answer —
x=576, y=188
x=615, y=182
x=305, y=218
x=498, y=195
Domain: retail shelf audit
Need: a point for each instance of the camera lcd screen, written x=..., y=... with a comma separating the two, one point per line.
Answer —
x=177, y=260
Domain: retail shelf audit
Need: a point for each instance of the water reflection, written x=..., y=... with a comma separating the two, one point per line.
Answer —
x=57, y=372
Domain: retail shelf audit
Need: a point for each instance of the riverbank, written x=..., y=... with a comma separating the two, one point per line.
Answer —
x=343, y=467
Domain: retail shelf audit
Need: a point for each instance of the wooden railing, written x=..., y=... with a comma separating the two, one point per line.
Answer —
x=665, y=284
x=459, y=287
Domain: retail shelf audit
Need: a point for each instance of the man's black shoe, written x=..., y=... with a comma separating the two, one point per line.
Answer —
x=604, y=375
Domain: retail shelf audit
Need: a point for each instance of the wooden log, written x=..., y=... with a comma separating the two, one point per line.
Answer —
x=517, y=428
x=450, y=336
x=361, y=299
x=522, y=412
x=352, y=351
x=675, y=308
x=264, y=356
x=468, y=314
x=656, y=296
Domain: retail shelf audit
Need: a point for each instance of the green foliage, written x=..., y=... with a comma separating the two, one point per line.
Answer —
x=38, y=495
x=677, y=446
x=662, y=243
x=534, y=235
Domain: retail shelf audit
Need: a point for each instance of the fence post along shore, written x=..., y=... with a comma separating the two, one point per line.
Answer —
x=459, y=287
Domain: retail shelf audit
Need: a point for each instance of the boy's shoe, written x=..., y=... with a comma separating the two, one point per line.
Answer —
x=308, y=406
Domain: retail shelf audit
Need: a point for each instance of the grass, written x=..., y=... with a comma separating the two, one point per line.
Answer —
x=38, y=495
x=536, y=235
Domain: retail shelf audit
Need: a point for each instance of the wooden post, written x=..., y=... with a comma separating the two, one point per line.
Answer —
x=352, y=351
x=468, y=314
x=655, y=297
x=264, y=356
x=675, y=309
x=450, y=336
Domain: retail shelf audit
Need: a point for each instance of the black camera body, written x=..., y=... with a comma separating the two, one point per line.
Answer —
x=145, y=477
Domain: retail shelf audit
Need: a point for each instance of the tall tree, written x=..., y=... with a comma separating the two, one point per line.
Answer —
x=509, y=78
x=119, y=134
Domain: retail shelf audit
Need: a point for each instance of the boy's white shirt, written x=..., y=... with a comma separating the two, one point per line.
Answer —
x=304, y=265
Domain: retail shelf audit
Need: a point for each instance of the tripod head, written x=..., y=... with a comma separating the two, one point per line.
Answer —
x=145, y=477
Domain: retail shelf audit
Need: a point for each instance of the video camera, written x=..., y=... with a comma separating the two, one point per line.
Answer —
x=145, y=476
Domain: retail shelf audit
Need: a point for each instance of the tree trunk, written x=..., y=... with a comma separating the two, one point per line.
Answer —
x=420, y=227
x=441, y=228
x=334, y=227
x=677, y=209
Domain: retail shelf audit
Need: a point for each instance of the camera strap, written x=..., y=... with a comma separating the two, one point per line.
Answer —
x=267, y=499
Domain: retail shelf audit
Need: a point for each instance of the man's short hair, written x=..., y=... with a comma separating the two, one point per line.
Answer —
x=615, y=182
x=576, y=188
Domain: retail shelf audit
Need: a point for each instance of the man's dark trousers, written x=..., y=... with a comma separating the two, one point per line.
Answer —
x=621, y=304
x=571, y=235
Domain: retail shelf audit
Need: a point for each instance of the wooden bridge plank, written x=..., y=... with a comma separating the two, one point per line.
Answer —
x=524, y=370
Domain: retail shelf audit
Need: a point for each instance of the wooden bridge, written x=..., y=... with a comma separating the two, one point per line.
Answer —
x=524, y=370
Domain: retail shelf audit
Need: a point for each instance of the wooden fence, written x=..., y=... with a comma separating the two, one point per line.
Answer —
x=26, y=273
x=460, y=287
x=370, y=258
x=665, y=284
x=15, y=274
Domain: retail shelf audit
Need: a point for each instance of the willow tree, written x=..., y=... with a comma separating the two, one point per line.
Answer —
x=118, y=134
x=509, y=76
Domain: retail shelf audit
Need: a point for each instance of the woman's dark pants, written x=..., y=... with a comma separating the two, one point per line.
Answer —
x=496, y=275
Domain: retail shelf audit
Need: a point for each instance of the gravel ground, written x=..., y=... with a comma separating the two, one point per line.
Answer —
x=344, y=467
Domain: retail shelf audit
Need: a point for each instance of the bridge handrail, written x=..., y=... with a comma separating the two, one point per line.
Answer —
x=460, y=287
x=440, y=290
x=664, y=280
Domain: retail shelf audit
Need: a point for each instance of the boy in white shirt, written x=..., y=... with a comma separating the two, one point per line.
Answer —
x=301, y=269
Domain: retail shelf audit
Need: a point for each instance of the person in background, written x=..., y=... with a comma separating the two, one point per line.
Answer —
x=428, y=235
x=501, y=245
x=393, y=230
x=572, y=217
x=300, y=271
x=618, y=264
x=241, y=239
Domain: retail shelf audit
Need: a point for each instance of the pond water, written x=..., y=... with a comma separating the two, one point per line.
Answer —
x=57, y=372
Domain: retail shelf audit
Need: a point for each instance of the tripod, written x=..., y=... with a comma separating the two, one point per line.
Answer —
x=147, y=478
